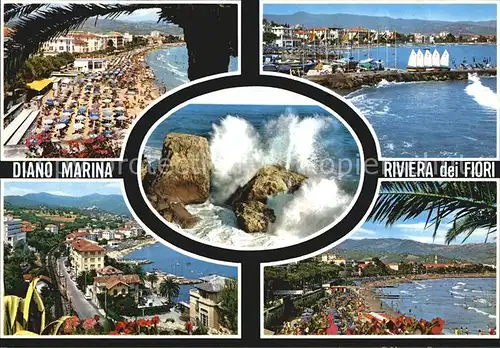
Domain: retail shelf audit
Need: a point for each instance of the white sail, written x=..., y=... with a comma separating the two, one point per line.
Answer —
x=412, y=61
x=445, y=59
x=436, y=59
x=428, y=59
x=420, y=59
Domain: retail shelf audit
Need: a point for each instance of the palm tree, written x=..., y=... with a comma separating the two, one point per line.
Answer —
x=137, y=269
x=210, y=31
x=169, y=289
x=469, y=206
x=152, y=278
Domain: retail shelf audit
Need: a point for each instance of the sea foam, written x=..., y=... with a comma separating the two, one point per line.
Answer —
x=482, y=95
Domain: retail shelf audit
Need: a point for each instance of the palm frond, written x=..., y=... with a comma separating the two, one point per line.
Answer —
x=478, y=220
x=453, y=200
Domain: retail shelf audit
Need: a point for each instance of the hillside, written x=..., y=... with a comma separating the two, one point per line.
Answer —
x=342, y=20
x=396, y=250
x=109, y=203
x=135, y=28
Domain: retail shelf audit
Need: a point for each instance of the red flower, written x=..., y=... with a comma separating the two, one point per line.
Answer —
x=120, y=326
x=89, y=323
x=437, y=326
x=155, y=320
x=113, y=333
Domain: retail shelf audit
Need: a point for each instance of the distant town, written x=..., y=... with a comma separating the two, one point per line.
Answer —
x=76, y=257
x=285, y=35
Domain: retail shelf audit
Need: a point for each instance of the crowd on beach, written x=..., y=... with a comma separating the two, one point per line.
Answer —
x=344, y=311
x=96, y=104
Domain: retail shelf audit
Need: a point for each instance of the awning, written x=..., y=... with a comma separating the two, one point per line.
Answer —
x=39, y=85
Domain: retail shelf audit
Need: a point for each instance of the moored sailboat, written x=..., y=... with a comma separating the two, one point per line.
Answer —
x=412, y=61
x=420, y=61
x=445, y=61
x=436, y=63
x=428, y=60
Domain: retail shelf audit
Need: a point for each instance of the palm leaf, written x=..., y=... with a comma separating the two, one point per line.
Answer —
x=54, y=327
x=11, y=305
x=448, y=200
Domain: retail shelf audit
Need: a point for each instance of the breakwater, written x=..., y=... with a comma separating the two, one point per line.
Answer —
x=344, y=83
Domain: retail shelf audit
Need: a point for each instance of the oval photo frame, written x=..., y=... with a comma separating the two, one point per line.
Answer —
x=358, y=127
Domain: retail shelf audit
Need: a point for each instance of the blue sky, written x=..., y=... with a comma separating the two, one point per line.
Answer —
x=414, y=230
x=150, y=14
x=445, y=12
x=75, y=188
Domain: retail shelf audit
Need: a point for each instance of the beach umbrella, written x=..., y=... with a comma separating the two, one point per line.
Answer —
x=107, y=118
x=121, y=118
x=80, y=117
x=119, y=108
x=67, y=114
x=48, y=121
x=108, y=125
x=82, y=109
x=108, y=133
x=78, y=126
x=76, y=136
x=47, y=127
x=68, y=110
x=94, y=118
x=60, y=125
x=64, y=120
x=107, y=101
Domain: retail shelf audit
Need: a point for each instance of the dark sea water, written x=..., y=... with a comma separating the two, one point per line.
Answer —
x=242, y=139
x=432, y=119
x=460, y=302
x=170, y=65
x=171, y=261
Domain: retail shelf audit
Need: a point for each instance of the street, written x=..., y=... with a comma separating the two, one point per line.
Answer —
x=81, y=306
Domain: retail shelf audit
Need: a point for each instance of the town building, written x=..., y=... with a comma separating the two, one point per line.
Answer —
x=27, y=227
x=108, y=234
x=393, y=265
x=52, y=228
x=86, y=255
x=155, y=33
x=75, y=235
x=332, y=259
x=13, y=233
x=108, y=271
x=60, y=44
x=90, y=64
x=117, y=285
x=204, y=300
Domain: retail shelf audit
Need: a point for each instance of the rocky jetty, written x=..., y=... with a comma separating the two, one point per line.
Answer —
x=344, y=83
x=249, y=201
x=182, y=177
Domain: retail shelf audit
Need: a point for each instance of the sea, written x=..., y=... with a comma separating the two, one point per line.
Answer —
x=460, y=302
x=170, y=65
x=173, y=262
x=242, y=139
x=433, y=119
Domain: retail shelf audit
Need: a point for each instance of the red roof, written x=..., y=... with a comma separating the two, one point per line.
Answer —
x=74, y=235
x=112, y=281
x=83, y=245
x=437, y=265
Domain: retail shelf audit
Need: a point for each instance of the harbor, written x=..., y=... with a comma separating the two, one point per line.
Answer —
x=344, y=83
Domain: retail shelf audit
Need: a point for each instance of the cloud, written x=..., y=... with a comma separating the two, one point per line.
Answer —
x=366, y=231
x=16, y=191
x=58, y=193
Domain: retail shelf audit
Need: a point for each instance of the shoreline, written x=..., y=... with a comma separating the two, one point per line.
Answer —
x=347, y=83
x=374, y=304
x=156, y=84
x=117, y=254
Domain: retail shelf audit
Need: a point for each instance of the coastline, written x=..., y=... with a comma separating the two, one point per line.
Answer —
x=374, y=304
x=139, y=244
x=154, y=83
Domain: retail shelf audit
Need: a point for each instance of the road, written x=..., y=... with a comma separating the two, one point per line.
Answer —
x=83, y=308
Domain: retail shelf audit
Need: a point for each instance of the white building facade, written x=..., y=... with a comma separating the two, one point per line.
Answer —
x=13, y=231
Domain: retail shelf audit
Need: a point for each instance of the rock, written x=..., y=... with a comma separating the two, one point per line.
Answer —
x=253, y=216
x=176, y=213
x=146, y=174
x=183, y=174
x=269, y=181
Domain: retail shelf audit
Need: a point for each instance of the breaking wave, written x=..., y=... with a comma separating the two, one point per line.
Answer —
x=482, y=95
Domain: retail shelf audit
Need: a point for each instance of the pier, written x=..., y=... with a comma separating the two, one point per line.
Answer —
x=344, y=83
x=135, y=261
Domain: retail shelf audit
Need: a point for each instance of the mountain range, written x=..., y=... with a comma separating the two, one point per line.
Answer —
x=396, y=250
x=114, y=204
x=103, y=25
x=342, y=20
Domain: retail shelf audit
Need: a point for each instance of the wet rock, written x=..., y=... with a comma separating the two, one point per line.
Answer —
x=254, y=216
x=176, y=213
x=146, y=174
x=269, y=181
x=183, y=174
